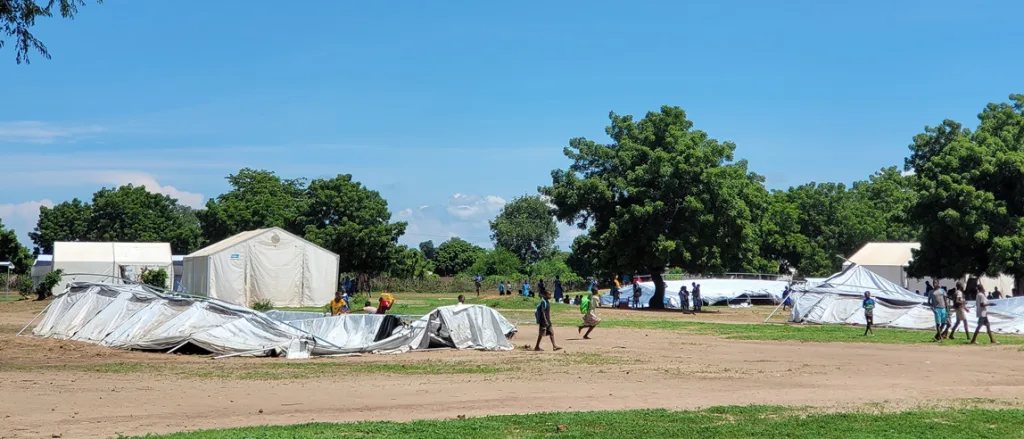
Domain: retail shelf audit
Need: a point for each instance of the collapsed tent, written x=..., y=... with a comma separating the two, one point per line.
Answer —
x=839, y=301
x=713, y=291
x=143, y=318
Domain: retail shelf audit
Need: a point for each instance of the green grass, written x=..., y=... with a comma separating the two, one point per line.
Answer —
x=13, y=296
x=805, y=333
x=716, y=422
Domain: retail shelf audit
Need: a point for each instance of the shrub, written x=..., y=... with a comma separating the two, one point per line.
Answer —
x=46, y=286
x=25, y=285
x=156, y=278
x=262, y=305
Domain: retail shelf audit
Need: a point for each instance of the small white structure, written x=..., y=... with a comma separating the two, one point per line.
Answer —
x=43, y=265
x=890, y=260
x=263, y=264
x=109, y=261
x=178, y=261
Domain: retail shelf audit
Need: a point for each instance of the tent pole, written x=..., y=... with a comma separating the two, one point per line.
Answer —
x=775, y=310
x=34, y=319
x=177, y=347
x=236, y=354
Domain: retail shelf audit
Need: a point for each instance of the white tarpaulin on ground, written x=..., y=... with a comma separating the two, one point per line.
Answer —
x=139, y=317
x=264, y=264
x=712, y=291
x=839, y=301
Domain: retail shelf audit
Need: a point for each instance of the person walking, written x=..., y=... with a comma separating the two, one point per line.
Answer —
x=982, y=304
x=590, y=318
x=526, y=288
x=937, y=301
x=541, y=288
x=636, y=294
x=615, y=293
x=698, y=302
x=960, y=307
x=558, y=289
x=869, y=313
x=543, y=315
x=477, y=280
x=787, y=303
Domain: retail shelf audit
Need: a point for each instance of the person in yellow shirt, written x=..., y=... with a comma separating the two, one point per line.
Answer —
x=339, y=305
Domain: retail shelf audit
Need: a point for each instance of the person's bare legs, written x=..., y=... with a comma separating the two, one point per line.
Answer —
x=554, y=346
x=952, y=334
x=540, y=336
x=589, y=330
x=938, y=332
x=988, y=328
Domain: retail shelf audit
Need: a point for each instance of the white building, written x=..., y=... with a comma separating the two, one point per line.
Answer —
x=263, y=264
x=890, y=260
x=43, y=265
x=109, y=262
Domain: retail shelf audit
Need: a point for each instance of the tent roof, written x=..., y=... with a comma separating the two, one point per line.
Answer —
x=896, y=254
x=227, y=243
x=855, y=280
x=123, y=252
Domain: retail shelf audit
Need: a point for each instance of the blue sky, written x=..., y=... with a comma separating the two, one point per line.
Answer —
x=452, y=108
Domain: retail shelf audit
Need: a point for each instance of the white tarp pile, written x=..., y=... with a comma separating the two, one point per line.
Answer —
x=712, y=291
x=139, y=317
x=839, y=301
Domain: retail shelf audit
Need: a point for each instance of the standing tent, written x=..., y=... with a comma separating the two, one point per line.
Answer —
x=263, y=264
x=109, y=261
x=890, y=259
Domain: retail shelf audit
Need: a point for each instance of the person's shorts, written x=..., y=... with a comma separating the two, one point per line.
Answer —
x=982, y=320
x=869, y=314
x=546, y=330
x=961, y=314
x=940, y=316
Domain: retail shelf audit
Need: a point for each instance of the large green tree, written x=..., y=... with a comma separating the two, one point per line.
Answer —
x=889, y=195
x=12, y=251
x=133, y=214
x=661, y=194
x=409, y=263
x=257, y=199
x=971, y=195
x=17, y=17
x=428, y=250
x=67, y=221
x=497, y=262
x=455, y=256
x=347, y=218
x=526, y=228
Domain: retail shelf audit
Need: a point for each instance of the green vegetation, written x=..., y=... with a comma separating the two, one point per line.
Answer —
x=715, y=422
x=526, y=229
x=264, y=305
x=49, y=282
x=156, y=278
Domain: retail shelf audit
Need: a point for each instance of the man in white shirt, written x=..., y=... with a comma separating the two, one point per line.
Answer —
x=982, y=303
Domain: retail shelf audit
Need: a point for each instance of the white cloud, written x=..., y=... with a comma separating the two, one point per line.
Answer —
x=30, y=131
x=22, y=217
x=908, y=172
x=475, y=207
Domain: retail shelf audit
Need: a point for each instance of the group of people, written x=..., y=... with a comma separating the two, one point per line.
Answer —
x=637, y=293
x=944, y=305
x=340, y=304
x=524, y=290
x=685, y=295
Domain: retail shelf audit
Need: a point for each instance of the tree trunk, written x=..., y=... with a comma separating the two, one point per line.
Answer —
x=658, y=301
x=971, y=290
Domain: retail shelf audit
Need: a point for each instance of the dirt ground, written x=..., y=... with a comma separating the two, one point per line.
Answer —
x=618, y=369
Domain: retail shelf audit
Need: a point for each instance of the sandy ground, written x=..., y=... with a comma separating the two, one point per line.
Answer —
x=636, y=369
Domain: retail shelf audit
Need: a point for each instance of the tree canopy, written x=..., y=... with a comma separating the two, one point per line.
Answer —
x=428, y=250
x=661, y=194
x=347, y=218
x=17, y=17
x=970, y=186
x=455, y=256
x=67, y=221
x=526, y=228
x=12, y=251
x=257, y=199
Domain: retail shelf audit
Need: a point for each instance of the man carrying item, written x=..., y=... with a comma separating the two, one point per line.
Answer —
x=982, y=304
x=937, y=300
x=543, y=315
x=869, y=313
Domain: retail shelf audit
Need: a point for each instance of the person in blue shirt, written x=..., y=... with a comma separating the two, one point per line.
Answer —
x=558, y=289
x=869, y=313
x=501, y=288
x=526, y=288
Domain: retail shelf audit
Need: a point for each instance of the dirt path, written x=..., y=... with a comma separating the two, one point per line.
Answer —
x=662, y=369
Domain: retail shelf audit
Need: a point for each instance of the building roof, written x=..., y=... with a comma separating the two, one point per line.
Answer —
x=135, y=252
x=43, y=260
x=896, y=254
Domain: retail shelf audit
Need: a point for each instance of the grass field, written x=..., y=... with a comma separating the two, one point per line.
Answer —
x=716, y=422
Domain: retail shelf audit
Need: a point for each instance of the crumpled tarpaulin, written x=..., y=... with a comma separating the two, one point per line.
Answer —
x=140, y=317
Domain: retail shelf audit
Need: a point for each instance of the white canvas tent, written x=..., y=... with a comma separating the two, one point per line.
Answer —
x=713, y=291
x=142, y=318
x=890, y=260
x=263, y=264
x=108, y=261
